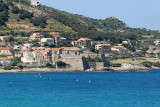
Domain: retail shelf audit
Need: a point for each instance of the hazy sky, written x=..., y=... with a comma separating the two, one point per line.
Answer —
x=135, y=13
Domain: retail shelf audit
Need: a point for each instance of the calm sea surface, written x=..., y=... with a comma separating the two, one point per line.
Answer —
x=113, y=89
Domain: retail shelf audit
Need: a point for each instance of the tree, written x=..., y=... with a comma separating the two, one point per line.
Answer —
x=2, y=22
x=116, y=65
x=48, y=65
x=15, y=61
x=147, y=64
x=15, y=10
x=92, y=49
x=42, y=25
x=61, y=64
x=22, y=16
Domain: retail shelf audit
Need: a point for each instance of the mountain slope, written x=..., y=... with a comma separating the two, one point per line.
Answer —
x=70, y=25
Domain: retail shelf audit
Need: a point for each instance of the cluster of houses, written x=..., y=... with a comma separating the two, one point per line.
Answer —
x=74, y=56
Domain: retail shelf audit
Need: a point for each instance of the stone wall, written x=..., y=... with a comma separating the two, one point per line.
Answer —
x=75, y=61
x=97, y=65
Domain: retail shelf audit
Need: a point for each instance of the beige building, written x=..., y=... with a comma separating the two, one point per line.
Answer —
x=86, y=41
x=69, y=55
x=63, y=39
x=21, y=39
x=55, y=34
x=71, y=50
x=103, y=47
x=4, y=38
x=9, y=52
x=2, y=44
x=119, y=49
x=79, y=44
x=56, y=50
x=35, y=36
x=157, y=42
x=34, y=3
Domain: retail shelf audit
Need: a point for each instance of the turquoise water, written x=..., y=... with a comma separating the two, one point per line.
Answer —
x=113, y=89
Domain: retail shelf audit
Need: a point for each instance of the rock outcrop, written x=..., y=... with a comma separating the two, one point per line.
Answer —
x=36, y=12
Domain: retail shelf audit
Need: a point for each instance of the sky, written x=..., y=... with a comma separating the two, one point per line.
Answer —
x=135, y=13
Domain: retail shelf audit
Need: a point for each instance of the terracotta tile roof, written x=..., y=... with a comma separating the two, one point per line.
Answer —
x=4, y=58
x=50, y=38
x=70, y=48
x=103, y=45
x=2, y=43
x=142, y=40
x=55, y=49
x=21, y=37
x=5, y=48
x=118, y=47
x=26, y=50
x=85, y=38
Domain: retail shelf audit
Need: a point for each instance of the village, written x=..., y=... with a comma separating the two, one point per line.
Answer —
x=83, y=54
x=51, y=49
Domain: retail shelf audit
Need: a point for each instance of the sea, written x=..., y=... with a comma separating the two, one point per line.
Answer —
x=87, y=89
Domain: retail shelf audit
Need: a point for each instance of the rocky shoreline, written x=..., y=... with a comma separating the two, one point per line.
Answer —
x=47, y=70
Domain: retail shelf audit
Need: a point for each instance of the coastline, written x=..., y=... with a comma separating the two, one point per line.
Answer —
x=49, y=70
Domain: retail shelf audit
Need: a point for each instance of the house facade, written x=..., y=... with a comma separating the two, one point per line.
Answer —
x=79, y=44
x=119, y=49
x=86, y=41
x=4, y=38
x=21, y=39
x=27, y=46
x=9, y=52
x=103, y=47
x=35, y=36
x=157, y=42
x=47, y=41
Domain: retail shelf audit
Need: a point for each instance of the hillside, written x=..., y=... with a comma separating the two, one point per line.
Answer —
x=71, y=26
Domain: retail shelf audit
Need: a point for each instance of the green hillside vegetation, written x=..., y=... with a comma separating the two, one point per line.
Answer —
x=71, y=26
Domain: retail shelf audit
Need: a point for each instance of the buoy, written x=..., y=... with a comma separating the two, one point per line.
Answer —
x=40, y=76
x=77, y=80
x=50, y=78
x=89, y=81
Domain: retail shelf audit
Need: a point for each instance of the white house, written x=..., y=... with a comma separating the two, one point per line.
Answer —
x=27, y=46
x=5, y=61
x=47, y=40
x=28, y=57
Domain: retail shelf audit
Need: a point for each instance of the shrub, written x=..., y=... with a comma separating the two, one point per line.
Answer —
x=42, y=25
x=22, y=16
x=61, y=64
x=15, y=10
x=48, y=65
x=116, y=65
x=147, y=64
